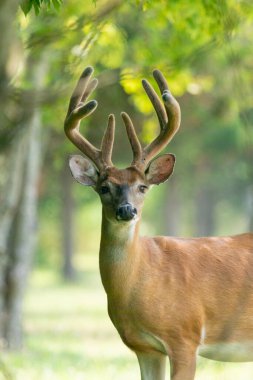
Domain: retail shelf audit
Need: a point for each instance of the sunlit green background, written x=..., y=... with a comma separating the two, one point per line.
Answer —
x=205, y=50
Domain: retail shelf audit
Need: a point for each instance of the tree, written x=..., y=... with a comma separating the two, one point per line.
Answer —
x=21, y=215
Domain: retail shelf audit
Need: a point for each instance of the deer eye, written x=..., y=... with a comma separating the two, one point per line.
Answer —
x=143, y=188
x=104, y=190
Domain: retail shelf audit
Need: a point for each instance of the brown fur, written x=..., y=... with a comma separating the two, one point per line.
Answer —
x=162, y=291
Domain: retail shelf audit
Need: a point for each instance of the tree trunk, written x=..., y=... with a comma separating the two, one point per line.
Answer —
x=22, y=235
x=11, y=170
x=67, y=224
x=250, y=208
x=172, y=209
x=205, y=211
x=21, y=231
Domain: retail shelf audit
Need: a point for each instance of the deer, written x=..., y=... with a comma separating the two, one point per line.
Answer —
x=167, y=296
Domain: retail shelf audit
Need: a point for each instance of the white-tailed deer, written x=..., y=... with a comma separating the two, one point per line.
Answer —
x=166, y=296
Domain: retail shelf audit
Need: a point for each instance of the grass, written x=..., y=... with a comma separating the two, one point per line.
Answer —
x=68, y=336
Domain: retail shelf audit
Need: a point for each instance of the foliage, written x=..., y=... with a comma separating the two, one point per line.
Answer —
x=27, y=5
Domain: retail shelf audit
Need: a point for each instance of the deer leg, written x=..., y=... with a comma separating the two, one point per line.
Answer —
x=183, y=365
x=152, y=365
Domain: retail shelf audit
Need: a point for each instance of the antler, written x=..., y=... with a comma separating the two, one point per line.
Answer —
x=78, y=110
x=169, y=117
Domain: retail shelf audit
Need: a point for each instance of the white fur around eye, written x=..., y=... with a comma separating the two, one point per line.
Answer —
x=143, y=189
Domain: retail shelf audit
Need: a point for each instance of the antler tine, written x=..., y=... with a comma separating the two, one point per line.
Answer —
x=160, y=80
x=134, y=141
x=159, y=108
x=169, y=119
x=91, y=86
x=169, y=116
x=80, y=88
x=107, y=141
x=77, y=111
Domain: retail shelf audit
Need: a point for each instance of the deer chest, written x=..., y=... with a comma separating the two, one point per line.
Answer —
x=133, y=330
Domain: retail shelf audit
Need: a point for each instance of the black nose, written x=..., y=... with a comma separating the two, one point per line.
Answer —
x=126, y=212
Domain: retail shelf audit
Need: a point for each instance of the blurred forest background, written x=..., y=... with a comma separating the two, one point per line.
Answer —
x=51, y=225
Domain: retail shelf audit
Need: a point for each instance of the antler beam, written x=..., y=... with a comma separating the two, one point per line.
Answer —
x=168, y=114
x=78, y=110
x=169, y=117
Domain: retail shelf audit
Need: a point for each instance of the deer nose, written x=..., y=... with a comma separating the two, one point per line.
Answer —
x=126, y=212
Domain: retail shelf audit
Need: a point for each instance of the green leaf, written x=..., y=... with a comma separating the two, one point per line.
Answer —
x=36, y=6
x=26, y=6
x=57, y=4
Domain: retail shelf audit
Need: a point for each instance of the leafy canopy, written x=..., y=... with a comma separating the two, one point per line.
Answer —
x=27, y=5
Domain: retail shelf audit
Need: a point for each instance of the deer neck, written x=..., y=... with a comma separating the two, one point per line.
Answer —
x=119, y=251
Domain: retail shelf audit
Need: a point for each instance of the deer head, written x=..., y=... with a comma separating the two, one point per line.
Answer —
x=121, y=191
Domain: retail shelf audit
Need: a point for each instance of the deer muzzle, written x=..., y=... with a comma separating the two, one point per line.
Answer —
x=126, y=212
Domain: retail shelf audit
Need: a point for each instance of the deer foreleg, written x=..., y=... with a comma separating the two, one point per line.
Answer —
x=183, y=365
x=152, y=366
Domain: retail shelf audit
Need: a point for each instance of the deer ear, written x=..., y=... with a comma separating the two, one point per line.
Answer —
x=160, y=169
x=83, y=170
